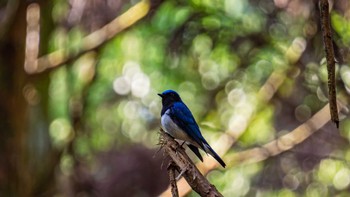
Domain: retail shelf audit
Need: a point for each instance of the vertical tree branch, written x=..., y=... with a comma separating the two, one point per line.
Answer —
x=171, y=171
x=328, y=44
x=186, y=167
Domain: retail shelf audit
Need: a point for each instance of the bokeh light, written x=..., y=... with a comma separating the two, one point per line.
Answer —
x=253, y=73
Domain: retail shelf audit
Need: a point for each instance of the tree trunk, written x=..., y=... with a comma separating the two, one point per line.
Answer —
x=26, y=162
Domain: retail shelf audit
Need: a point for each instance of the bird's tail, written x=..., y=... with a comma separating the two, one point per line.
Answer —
x=209, y=150
x=196, y=151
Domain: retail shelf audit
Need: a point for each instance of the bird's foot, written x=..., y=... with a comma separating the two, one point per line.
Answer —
x=180, y=175
x=182, y=144
x=194, y=177
x=183, y=170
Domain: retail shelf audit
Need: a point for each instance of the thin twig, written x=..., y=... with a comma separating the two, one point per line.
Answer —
x=171, y=171
x=328, y=44
x=192, y=175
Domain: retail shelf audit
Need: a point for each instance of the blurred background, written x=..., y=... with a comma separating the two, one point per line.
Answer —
x=79, y=111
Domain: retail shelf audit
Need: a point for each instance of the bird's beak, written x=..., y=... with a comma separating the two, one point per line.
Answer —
x=161, y=95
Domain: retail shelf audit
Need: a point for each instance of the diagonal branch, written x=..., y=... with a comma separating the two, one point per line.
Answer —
x=186, y=167
x=94, y=40
x=328, y=44
x=285, y=142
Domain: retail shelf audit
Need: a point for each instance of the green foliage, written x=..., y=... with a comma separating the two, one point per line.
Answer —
x=260, y=129
x=218, y=55
x=342, y=26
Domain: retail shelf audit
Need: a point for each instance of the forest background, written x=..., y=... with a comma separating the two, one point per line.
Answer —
x=80, y=115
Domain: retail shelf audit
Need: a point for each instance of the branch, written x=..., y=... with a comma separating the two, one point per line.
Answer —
x=328, y=44
x=92, y=41
x=186, y=167
x=171, y=171
x=285, y=142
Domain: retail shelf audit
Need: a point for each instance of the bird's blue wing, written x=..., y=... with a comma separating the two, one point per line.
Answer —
x=183, y=117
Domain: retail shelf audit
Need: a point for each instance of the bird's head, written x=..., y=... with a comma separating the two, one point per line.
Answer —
x=169, y=96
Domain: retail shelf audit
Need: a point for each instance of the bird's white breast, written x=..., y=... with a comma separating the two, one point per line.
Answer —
x=171, y=128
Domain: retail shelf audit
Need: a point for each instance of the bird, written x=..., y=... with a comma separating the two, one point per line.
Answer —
x=178, y=121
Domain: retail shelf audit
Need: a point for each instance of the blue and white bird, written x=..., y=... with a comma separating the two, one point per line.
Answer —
x=177, y=120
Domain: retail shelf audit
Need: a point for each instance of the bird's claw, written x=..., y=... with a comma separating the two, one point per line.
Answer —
x=180, y=175
x=182, y=144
